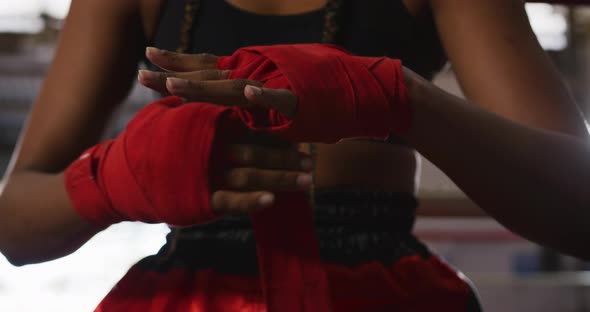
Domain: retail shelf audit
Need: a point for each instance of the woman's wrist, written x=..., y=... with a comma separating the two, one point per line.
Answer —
x=416, y=86
x=419, y=92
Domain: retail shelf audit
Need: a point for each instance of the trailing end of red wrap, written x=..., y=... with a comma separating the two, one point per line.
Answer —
x=157, y=171
x=292, y=275
x=339, y=95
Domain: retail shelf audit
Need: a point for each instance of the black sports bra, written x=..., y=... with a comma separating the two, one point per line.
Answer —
x=368, y=28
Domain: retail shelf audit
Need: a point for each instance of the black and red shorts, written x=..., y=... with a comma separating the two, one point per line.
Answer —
x=372, y=261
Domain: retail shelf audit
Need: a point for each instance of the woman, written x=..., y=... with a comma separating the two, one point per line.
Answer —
x=101, y=45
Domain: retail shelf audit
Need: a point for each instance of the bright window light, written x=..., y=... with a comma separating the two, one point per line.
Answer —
x=549, y=24
x=79, y=281
x=23, y=16
x=32, y=8
x=56, y=8
x=20, y=16
x=22, y=8
x=21, y=25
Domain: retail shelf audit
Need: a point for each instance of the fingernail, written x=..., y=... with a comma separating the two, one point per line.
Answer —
x=307, y=164
x=152, y=50
x=175, y=82
x=304, y=180
x=252, y=90
x=147, y=76
x=266, y=200
x=226, y=73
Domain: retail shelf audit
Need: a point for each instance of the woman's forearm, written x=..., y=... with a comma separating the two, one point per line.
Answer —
x=533, y=181
x=37, y=221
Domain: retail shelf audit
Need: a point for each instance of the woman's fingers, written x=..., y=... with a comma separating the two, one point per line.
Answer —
x=180, y=62
x=280, y=99
x=255, y=156
x=235, y=92
x=253, y=179
x=157, y=80
x=256, y=173
x=221, y=92
x=195, y=78
x=229, y=202
x=264, y=168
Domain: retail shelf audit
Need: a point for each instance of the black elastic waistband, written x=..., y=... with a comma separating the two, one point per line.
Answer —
x=352, y=227
x=394, y=212
x=386, y=211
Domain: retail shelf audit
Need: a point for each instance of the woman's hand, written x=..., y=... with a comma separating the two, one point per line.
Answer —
x=196, y=78
x=257, y=168
x=256, y=171
x=324, y=83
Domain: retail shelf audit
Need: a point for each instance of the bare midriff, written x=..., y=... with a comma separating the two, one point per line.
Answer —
x=367, y=166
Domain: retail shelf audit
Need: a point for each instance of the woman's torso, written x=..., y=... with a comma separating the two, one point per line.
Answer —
x=367, y=28
x=364, y=206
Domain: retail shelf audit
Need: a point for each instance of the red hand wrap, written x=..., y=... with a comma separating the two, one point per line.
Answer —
x=339, y=95
x=156, y=171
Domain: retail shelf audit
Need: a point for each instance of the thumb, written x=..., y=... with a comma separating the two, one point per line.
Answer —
x=281, y=100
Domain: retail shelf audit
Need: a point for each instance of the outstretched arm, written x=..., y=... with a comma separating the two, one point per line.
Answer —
x=98, y=50
x=529, y=178
x=502, y=67
x=533, y=181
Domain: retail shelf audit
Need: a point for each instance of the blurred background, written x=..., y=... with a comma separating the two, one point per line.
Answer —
x=510, y=273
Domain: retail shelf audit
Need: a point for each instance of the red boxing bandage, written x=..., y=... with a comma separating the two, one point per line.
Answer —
x=339, y=95
x=157, y=171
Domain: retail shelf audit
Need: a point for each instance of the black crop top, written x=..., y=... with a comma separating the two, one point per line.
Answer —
x=368, y=28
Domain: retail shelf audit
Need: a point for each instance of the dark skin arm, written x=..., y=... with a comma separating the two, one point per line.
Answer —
x=518, y=148
x=531, y=180
x=69, y=115
x=93, y=70
x=499, y=63
x=496, y=160
x=502, y=67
